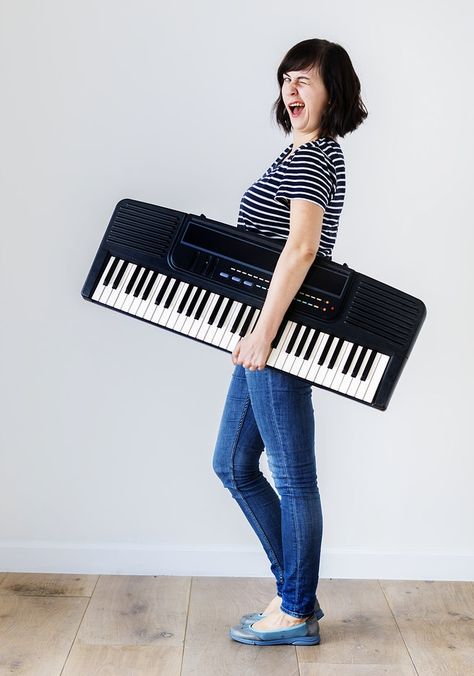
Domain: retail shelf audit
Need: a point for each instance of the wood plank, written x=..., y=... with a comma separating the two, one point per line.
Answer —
x=47, y=584
x=358, y=629
x=124, y=660
x=216, y=604
x=36, y=633
x=436, y=620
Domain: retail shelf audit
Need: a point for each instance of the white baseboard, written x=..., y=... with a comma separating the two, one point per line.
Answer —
x=132, y=559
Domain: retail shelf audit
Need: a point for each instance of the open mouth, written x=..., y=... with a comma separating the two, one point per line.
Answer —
x=296, y=109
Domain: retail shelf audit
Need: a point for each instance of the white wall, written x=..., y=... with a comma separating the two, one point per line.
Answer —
x=108, y=424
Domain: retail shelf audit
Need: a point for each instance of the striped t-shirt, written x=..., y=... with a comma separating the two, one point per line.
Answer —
x=315, y=172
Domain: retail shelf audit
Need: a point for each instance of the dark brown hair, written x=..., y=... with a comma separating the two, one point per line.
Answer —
x=346, y=111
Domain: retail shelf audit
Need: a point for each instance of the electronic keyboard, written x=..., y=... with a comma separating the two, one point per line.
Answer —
x=343, y=331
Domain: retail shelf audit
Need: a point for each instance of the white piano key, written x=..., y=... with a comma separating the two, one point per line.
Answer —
x=199, y=326
x=120, y=299
x=356, y=381
x=204, y=328
x=323, y=369
x=235, y=337
x=335, y=375
x=109, y=294
x=168, y=314
x=290, y=357
x=100, y=285
x=190, y=322
x=308, y=363
x=274, y=353
x=214, y=332
x=282, y=355
x=300, y=361
x=181, y=321
x=145, y=305
x=137, y=301
x=364, y=384
x=347, y=379
x=174, y=314
x=130, y=298
x=314, y=368
x=223, y=335
x=376, y=378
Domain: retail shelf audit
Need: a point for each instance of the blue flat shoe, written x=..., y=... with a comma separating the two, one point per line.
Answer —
x=305, y=633
x=249, y=618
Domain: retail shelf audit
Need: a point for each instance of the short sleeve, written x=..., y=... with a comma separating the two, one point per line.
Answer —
x=307, y=176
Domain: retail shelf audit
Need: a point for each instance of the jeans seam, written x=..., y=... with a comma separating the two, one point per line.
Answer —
x=236, y=440
x=275, y=420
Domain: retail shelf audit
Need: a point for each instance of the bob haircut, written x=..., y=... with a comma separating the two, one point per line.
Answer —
x=345, y=110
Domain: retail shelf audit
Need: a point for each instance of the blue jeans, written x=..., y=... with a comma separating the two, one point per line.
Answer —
x=273, y=409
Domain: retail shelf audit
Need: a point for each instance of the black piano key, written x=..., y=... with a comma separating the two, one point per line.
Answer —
x=240, y=314
x=247, y=321
x=368, y=366
x=124, y=266
x=172, y=293
x=279, y=333
x=133, y=279
x=184, y=299
x=193, y=302
x=362, y=354
x=293, y=338
x=325, y=351
x=162, y=291
x=224, y=314
x=303, y=340
x=202, y=305
x=110, y=273
x=339, y=345
x=350, y=358
x=311, y=345
x=140, y=284
x=215, y=310
x=149, y=286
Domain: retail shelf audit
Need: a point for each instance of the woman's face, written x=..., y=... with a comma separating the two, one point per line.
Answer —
x=306, y=87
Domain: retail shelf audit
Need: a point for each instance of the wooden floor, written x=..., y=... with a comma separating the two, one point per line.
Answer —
x=114, y=625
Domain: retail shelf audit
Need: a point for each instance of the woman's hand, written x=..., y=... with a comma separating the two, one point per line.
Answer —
x=252, y=351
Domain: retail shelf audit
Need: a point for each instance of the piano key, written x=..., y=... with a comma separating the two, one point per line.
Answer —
x=149, y=286
x=215, y=333
x=303, y=340
x=234, y=333
x=315, y=366
x=182, y=299
x=350, y=357
x=298, y=328
x=203, y=303
x=273, y=356
x=101, y=283
x=170, y=296
x=248, y=319
x=355, y=375
x=327, y=347
x=324, y=363
x=223, y=333
x=157, y=290
x=186, y=310
x=133, y=279
x=191, y=322
x=368, y=366
x=132, y=294
x=310, y=352
x=282, y=355
x=169, y=314
x=347, y=370
x=295, y=364
x=118, y=277
x=336, y=352
x=138, y=295
x=205, y=324
x=164, y=302
x=107, y=296
x=334, y=376
x=376, y=378
x=120, y=297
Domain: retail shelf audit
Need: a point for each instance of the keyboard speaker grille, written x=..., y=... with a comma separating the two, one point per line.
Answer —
x=383, y=311
x=143, y=228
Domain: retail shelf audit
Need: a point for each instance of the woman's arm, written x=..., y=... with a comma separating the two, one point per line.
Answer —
x=294, y=261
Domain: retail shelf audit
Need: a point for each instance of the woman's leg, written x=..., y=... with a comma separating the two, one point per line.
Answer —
x=236, y=462
x=283, y=411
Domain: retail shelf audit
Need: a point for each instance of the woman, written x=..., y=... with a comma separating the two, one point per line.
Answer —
x=299, y=199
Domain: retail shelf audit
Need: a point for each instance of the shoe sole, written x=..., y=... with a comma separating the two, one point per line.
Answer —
x=301, y=640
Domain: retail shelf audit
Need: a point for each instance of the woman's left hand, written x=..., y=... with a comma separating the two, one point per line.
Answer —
x=252, y=351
